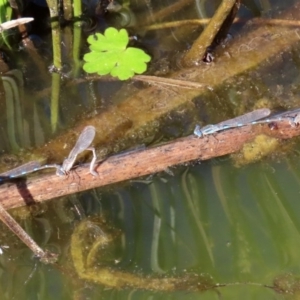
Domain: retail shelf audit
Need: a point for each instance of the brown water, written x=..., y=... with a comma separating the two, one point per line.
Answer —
x=207, y=224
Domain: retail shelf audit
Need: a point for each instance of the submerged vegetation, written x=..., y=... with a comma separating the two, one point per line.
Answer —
x=91, y=244
x=197, y=231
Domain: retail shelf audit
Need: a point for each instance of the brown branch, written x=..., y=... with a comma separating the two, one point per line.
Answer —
x=9, y=221
x=130, y=165
x=196, y=53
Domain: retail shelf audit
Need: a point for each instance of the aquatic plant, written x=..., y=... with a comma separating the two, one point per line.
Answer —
x=110, y=55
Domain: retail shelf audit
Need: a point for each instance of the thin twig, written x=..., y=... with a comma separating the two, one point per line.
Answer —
x=9, y=221
x=201, y=22
x=196, y=53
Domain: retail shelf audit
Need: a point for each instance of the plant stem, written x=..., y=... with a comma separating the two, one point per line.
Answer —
x=56, y=36
x=55, y=86
x=77, y=9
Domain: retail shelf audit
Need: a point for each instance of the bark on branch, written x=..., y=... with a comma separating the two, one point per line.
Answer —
x=41, y=187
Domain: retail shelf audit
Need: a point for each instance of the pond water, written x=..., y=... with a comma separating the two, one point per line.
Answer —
x=209, y=230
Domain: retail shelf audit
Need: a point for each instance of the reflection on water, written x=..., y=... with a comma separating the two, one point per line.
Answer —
x=227, y=225
x=209, y=224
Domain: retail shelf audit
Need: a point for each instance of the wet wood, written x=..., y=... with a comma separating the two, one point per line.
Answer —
x=41, y=187
x=199, y=47
x=9, y=221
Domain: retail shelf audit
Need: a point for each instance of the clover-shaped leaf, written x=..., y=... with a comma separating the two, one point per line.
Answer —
x=109, y=55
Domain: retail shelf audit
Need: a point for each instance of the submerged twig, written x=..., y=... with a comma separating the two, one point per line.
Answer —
x=201, y=22
x=9, y=221
x=196, y=53
x=178, y=23
x=278, y=22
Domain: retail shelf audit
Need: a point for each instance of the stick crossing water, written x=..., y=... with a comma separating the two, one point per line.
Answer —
x=84, y=140
x=248, y=118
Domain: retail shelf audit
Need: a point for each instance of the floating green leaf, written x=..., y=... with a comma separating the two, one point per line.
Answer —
x=110, y=55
